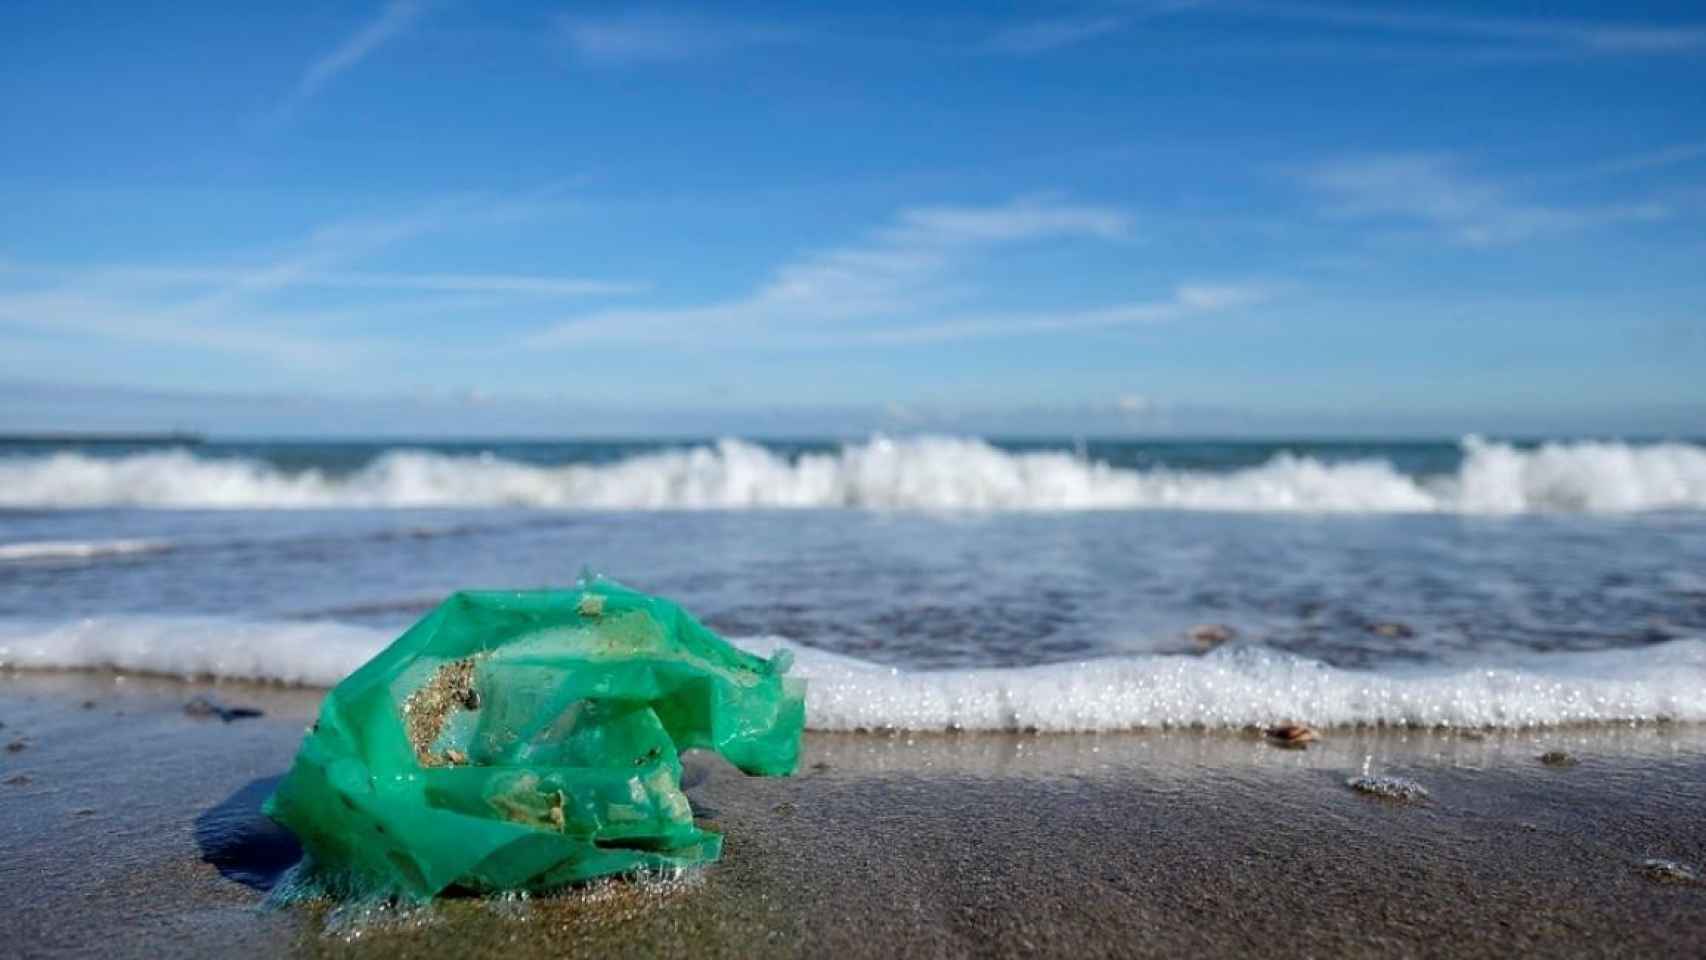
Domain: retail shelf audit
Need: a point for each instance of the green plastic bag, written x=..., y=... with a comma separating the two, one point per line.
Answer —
x=524, y=740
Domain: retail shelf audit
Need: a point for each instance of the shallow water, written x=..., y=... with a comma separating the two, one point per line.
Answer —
x=1400, y=608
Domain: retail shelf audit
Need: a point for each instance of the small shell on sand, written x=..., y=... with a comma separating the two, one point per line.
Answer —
x=1207, y=636
x=1660, y=870
x=1293, y=735
x=1398, y=789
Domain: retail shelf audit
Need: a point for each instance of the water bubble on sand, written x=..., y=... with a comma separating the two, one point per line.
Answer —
x=509, y=905
x=1400, y=789
x=355, y=920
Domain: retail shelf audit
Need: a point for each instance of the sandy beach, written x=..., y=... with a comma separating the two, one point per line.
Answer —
x=131, y=829
x=1229, y=479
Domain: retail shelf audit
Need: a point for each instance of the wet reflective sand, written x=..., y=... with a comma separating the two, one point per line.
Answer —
x=129, y=828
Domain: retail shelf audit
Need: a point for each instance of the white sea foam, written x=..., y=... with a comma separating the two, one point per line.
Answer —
x=308, y=653
x=1231, y=687
x=1498, y=478
x=36, y=550
x=934, y=473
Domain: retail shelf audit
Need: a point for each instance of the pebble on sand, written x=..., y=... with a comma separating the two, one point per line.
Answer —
x=1294, y=736
x=1558, y=758
x=17, y=745
x=1207, y=636
x=1392, y=628
x=202, y=705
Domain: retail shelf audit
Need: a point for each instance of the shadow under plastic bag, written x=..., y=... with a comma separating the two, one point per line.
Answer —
x=242, y=843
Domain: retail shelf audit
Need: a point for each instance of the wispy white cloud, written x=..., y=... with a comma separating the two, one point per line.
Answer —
x=1054, y=33
x=1640, y=162
x=1042, y=36
x=656, y=37
x=62, y=313
x=904, y=267
x=1019, y=220
x=396, y=17
x=1474, y=211
x=1581, y=35
x=497, y=284
x=1492, y=37
x=227, y=316
x=1184, y=301
x=907, y=283
x=234, y=309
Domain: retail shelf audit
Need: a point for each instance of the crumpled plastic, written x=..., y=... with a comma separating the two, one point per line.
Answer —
x=527, y=740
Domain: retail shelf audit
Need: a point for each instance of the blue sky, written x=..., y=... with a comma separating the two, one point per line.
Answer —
x=1127, y=217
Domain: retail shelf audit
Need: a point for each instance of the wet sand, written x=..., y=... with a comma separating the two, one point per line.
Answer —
x=128, y=827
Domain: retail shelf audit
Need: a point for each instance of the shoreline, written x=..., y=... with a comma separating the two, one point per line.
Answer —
x=132, y=831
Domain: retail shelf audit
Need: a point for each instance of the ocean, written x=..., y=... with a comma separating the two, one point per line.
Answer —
x=924, y=583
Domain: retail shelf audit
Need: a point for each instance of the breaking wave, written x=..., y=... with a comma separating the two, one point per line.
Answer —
x=934, y=473
x=48, y=550
x=1230, y=687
